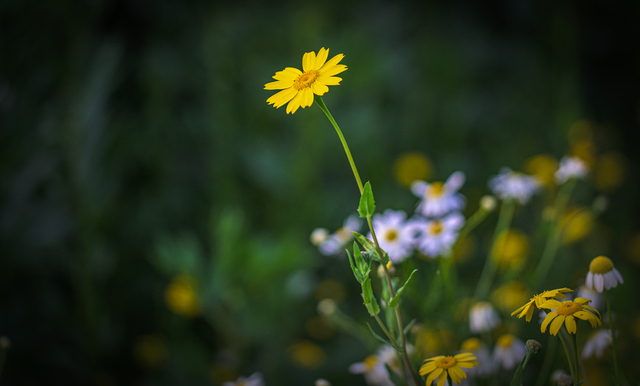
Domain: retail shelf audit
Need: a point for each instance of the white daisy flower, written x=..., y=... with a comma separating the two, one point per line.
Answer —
x=393, y=235
x=570, y=167
x=336, y=242
x=439, y=199
x=513, y=185
x=436, y=237
x=602, y=274
x=374, y=370
x=254, y=380
x=508, y=352
x=597, y=343
x=483, y=317
x=480, y=350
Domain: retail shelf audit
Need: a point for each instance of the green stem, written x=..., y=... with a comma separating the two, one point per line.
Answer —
x=324, y=108
x=613, y=339
x=491, y=264
x=476, y=219
x=553, y=239
x=576, y=381
x=567, y=351
x=404, y=354
x=386, y=331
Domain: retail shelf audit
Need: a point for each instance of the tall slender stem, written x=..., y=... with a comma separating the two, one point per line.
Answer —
x=354, y=169
x=576, y=381
x=613, y=339
x=567, y=351
x=553, y=239
x=324, y=108
x=491, y=264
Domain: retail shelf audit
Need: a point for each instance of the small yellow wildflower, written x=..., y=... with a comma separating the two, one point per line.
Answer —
x=441, y=367
x=298, y=87
x=543, y=166
x=566, y=312
x=181, y=296
x=538, y=300
x=511, y=249
x=413, y=166
x=307, y=354
x=577, y=224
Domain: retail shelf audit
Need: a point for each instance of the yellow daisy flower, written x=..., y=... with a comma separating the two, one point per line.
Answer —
x=298, y=87
x=528, y=308
x=442, y=366
x=566, y=312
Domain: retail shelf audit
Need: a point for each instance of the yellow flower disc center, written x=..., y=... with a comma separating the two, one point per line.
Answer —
x=505, y=341
x=601, y=265
x=435, y=227
x=569, y=308
x=370, y=362
x=305, y=80
x=446, y=362
x=391, y=235
x=435, y=189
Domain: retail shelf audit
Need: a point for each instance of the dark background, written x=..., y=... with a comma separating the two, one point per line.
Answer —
x=132, y=130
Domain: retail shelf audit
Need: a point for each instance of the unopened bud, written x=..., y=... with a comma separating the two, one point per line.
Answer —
x=533, y=346
x=318, y=236
x=488, y=203
x=326, y=307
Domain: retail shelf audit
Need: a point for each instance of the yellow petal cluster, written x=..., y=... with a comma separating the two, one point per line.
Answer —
x=538, y=300
x=566, y=313
x=298, y=87
x=442, y=366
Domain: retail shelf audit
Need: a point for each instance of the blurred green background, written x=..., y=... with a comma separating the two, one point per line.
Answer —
x=155, y=211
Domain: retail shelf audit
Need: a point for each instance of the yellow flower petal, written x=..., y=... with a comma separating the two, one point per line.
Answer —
x=319, y=88
x=570, y=324
x=294, y=105
x=332, y=62
x=556, y=324
x=457, y=374
x=468, y=365
x=282, y=97
x=278, y=85
x=547, y=320
x=308, y=60
x=307, y=97
x=329, y=71
x=434, y=375
x=427, y=368
x=288, y=73
x=321, y=58
x=329, y=80
x=442, y=379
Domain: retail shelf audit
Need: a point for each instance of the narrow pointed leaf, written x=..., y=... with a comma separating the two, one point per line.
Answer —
x=381, y=339
x=370, y=248
x=356, y=272
x=367, y=206
x=409, y=325
x=394, y=302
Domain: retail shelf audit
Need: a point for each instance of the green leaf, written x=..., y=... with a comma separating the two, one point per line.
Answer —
x=369, y=299
x=519, y=374
x=408, y=326
x=394, y=302
x=356, y=272
x=367, y=207
x=371, y=249
x=381, y=339
x=363, y=266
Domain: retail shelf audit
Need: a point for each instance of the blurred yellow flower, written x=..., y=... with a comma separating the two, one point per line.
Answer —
x=430, y=341
x=463, y=249
x=585, y=150
x=609, y=172
x=319, y=327
x=181, y=296
x=632, y=247
x=150, y=351
x=330, y=289
x=299, y=87
x=511, y=249
x=307, y=354
x=412, y=166
x=576, y=224
x=441, y=367
x=566, y=313
x=542, y=166
x=509, y=296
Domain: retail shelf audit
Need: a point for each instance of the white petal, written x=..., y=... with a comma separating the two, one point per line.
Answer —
x=455, y=181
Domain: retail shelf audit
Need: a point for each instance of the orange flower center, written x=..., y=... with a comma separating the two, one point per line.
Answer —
x=601, y=265
x=446, y=362
x=435, y=189
x=569, y=308
x=391, y=235
x=305, y=80
x=435, y=227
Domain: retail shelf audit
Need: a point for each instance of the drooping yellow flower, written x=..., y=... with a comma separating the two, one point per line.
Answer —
x=538, y=300
x=442, y=366
x=566, y=312
x=298, y=87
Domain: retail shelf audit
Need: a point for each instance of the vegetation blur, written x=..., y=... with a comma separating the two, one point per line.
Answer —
x=155, y=212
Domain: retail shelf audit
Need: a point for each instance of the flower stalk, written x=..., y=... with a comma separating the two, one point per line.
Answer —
x=613, y=340
x=354, y=169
